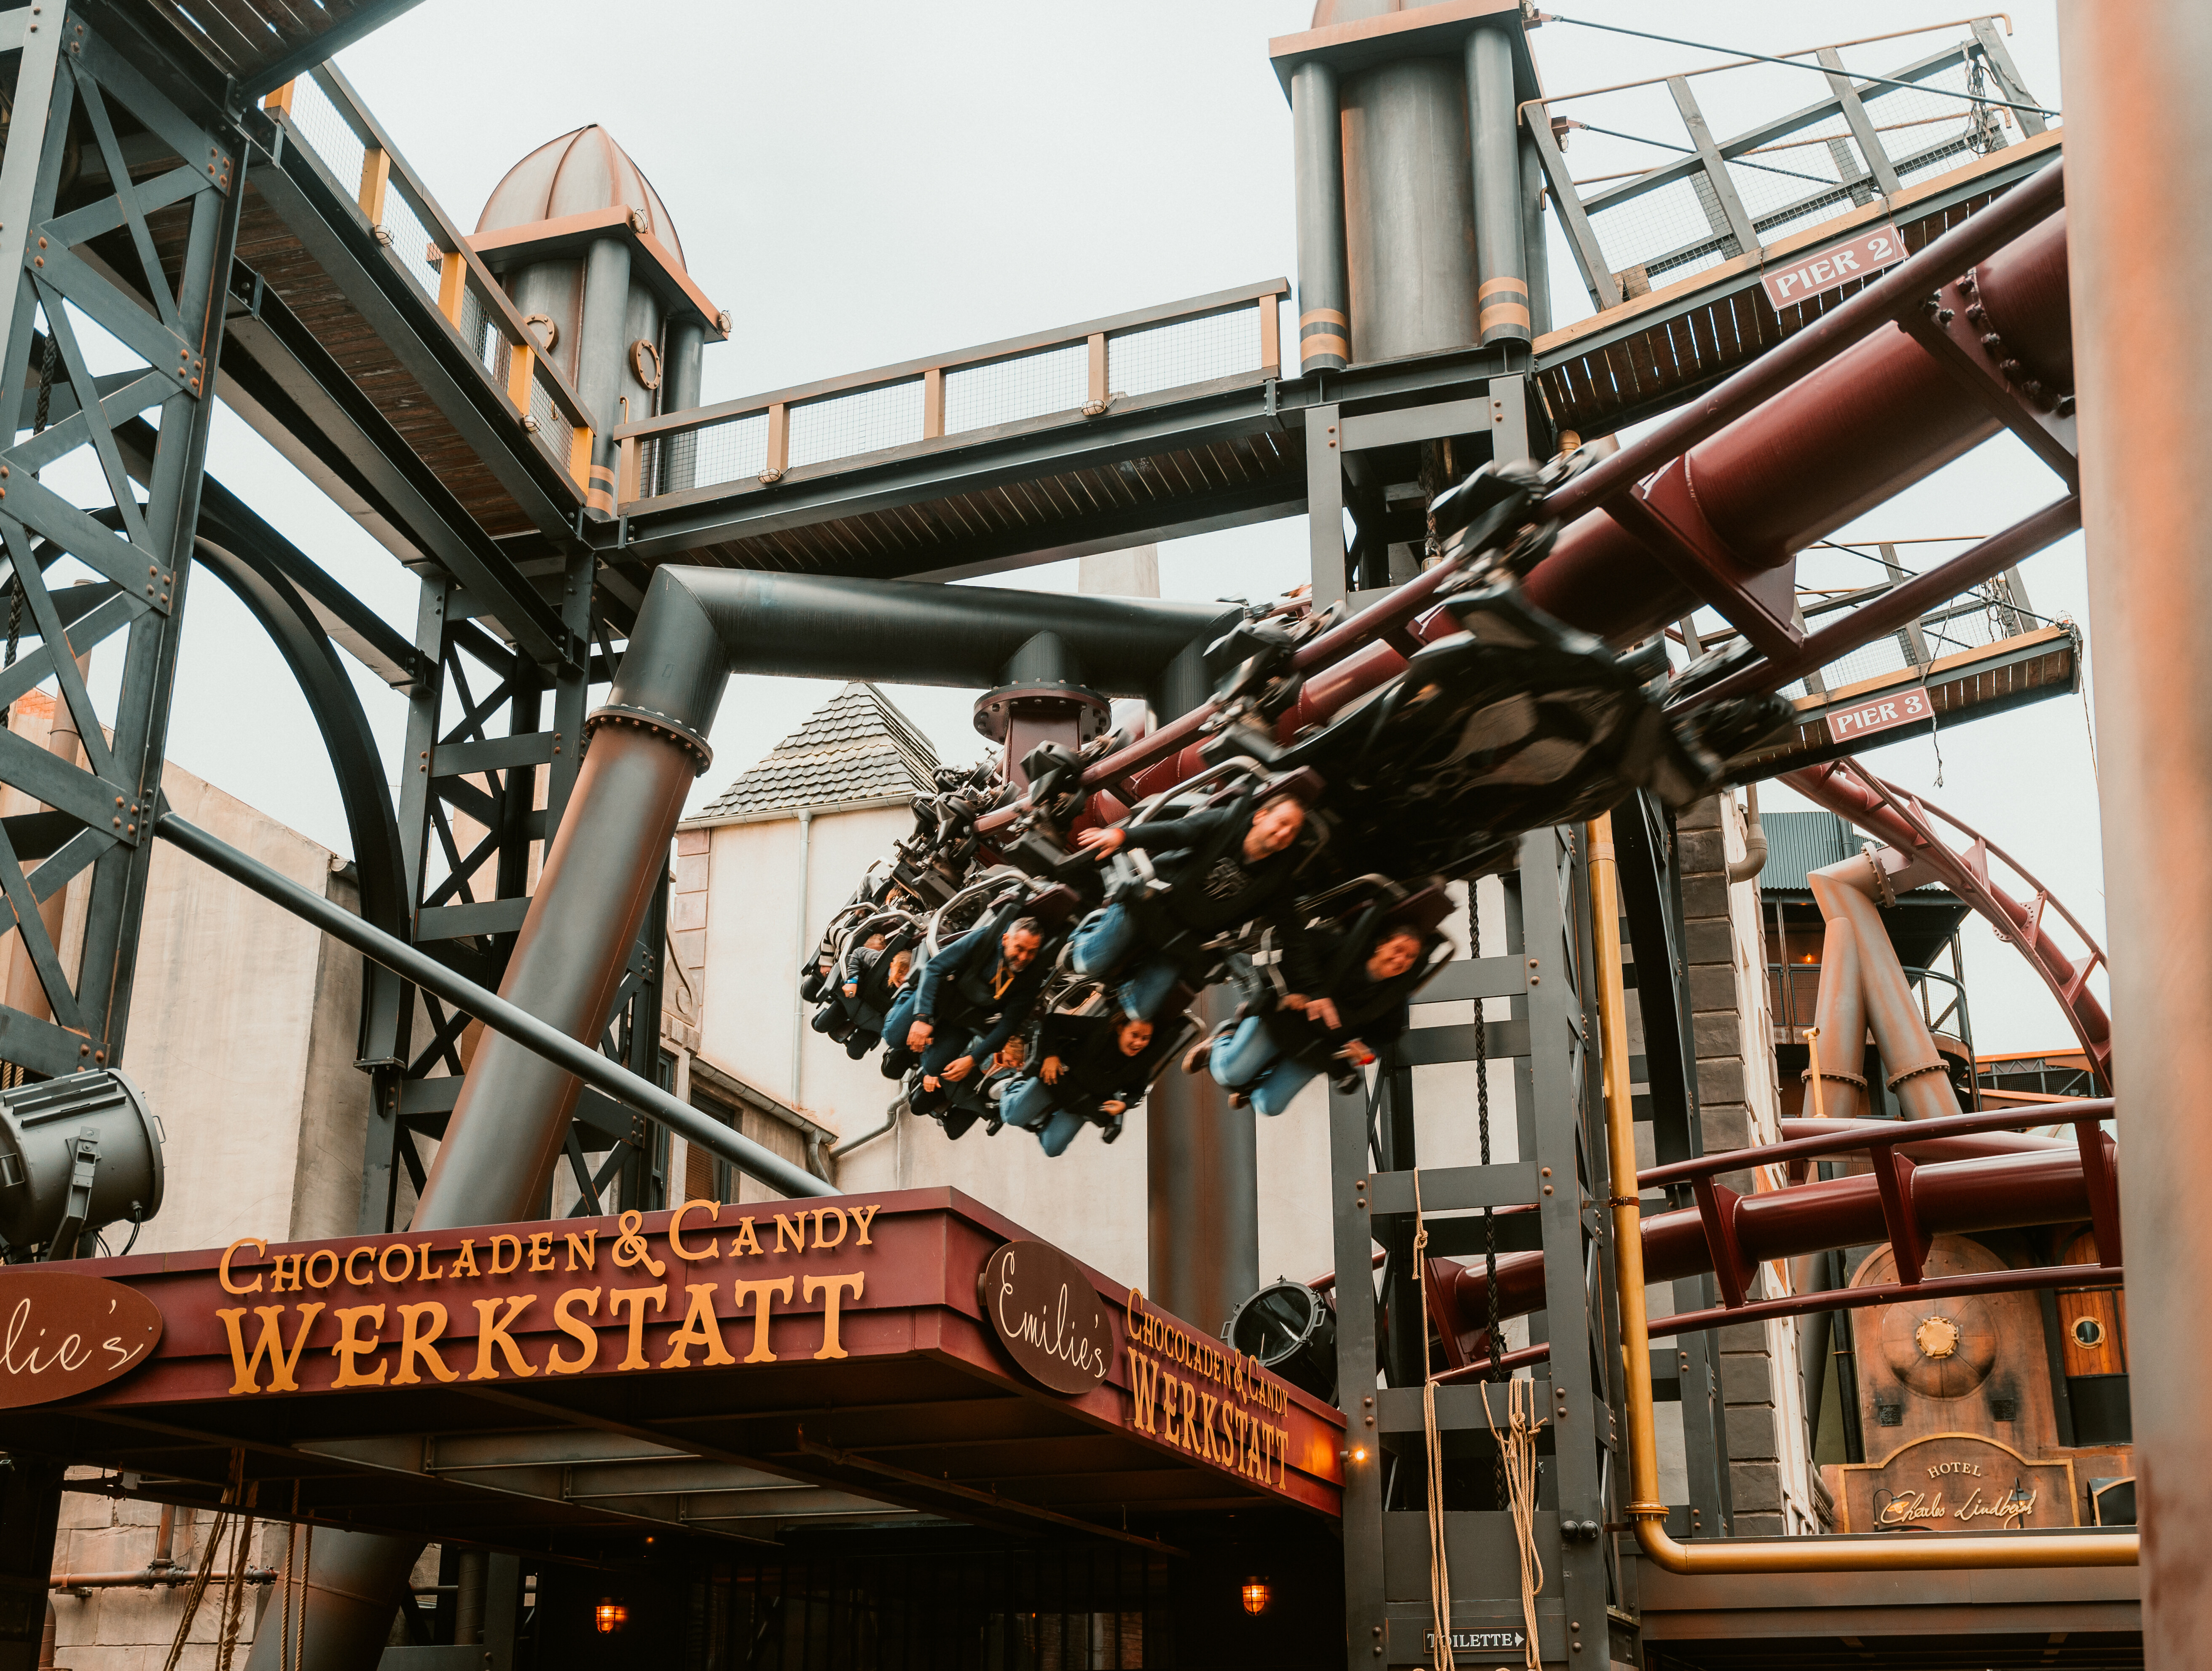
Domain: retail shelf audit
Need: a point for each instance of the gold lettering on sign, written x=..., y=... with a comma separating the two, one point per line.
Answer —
x=700, y=1328
x=577, y=1329
x=401, y=1341
x=270, y=1344
x=834, y=1290
x=758, y=1292
x=350, y=1347
x=491, y=1332
x=635, y=1298
x=418, y=1343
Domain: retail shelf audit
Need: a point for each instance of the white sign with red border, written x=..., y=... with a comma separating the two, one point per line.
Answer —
x=1832, y=268
x=1880, y=713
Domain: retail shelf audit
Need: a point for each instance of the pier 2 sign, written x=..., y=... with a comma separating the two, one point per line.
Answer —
x=1833, y=267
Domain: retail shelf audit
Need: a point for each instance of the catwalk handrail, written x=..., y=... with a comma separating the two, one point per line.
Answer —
x=461, y=272
x=930, y=371
x=632, y=1090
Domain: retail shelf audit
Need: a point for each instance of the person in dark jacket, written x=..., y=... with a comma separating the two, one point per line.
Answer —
x=1269, y=1056
x=835, y=1016
x=956, y=1107
x=1094, y=1067
x=871, y=992
x=1224, y=867
x=969, y=998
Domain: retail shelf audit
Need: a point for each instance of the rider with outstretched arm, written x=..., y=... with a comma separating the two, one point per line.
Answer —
x=1225, y=866
x=969, y=998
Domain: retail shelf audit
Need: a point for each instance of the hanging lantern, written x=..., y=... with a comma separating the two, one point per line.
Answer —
x=1256, y=1594
x=610, y=1616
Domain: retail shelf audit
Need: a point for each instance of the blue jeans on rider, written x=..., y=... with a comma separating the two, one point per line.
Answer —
x=1101, y=941
x=1248, y=1059
x=1030, y=1104
x=945, y=1043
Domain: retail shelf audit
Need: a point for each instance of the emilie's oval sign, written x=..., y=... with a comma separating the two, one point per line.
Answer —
x=61, y=1334
x=1050, y=1319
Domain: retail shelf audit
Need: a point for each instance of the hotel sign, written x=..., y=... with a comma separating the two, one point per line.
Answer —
x=1957, y=1482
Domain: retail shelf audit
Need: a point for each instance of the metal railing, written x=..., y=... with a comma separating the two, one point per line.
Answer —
x=1993, y=612
x=320, y=112
x=1067, y=376
x=1634, y=226
x=1793, y=992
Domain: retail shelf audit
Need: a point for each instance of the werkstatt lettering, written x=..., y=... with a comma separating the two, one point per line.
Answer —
x=404, y=1314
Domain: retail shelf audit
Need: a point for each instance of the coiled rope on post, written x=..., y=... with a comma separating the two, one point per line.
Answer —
x=1517, y=1445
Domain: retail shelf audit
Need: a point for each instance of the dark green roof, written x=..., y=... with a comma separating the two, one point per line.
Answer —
x=1799, y=843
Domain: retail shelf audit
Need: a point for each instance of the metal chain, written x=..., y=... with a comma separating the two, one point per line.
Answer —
x=1482, y=1132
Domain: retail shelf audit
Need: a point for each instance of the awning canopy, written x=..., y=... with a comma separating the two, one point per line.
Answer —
x=545, y=1386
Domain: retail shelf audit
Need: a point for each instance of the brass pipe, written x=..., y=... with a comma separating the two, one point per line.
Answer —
x=1875, y=1553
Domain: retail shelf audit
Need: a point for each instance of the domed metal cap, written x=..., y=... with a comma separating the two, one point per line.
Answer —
x=578, y=173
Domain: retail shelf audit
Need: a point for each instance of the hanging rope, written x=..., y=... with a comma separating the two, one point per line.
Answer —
x=208, y=1555
x=1439, y=1566
x=299, y=1550
x=1517, y=1444
x=233, y=1599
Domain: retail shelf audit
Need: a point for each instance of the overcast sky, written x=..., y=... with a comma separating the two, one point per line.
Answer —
x=877, y=181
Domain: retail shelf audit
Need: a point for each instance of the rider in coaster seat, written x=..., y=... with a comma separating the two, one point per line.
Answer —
x=979, y=1096
x=969, y=998
x=1225, y=866
x=1094, y=1066
x=1269, y=1053
x=835, y=1016
x=871, y=990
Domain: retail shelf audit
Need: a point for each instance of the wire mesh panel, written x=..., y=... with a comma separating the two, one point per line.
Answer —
x=412, y=242
x=729, y=451
x=1184, y=351
x=846, y=425
x=1054, y=380
x=553, y=423
x=1660, y=236
x=328, y=134
x=491, y=349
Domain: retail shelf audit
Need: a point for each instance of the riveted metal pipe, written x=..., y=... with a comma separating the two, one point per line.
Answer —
x=1324, y=295
x=1502, y=313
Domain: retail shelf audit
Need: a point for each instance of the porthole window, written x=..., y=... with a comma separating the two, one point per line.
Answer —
x=2088, y=1333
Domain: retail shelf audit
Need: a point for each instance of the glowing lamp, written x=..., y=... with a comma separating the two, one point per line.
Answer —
x=1255, y=1596
x=610, y=1616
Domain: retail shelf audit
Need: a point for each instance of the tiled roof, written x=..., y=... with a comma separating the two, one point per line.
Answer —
x=857, y=746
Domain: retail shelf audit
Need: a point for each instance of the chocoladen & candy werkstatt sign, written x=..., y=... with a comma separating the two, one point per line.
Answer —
x=738, y=1293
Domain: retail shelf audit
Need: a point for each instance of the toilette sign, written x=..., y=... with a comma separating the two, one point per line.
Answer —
x=1831, y=269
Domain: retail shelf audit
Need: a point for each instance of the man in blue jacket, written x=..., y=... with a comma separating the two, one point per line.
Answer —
x=970, y=999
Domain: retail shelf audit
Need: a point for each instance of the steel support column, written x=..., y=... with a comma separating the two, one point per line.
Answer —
x=1502, y=312
x=1324, y=295
x=2136, y=243
x=171, y=231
